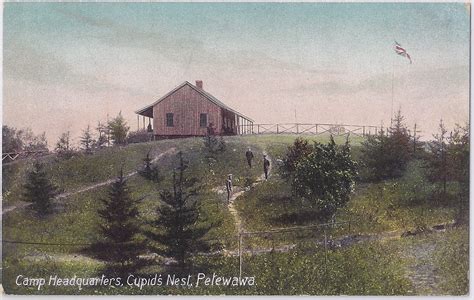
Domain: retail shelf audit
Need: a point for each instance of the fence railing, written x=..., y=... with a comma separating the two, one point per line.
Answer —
x=308, y=128
x=318, y=236
x=11, y=156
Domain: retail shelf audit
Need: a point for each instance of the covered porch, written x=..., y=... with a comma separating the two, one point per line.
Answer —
x=234, y=123
x=146, y=116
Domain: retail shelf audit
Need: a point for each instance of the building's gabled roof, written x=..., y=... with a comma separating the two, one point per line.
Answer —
x=143, y=111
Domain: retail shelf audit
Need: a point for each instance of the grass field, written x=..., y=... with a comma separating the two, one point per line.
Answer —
x=370, y=268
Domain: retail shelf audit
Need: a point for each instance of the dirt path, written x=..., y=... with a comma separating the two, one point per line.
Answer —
x=231, y=205
x=422, y=272
x=90, y=187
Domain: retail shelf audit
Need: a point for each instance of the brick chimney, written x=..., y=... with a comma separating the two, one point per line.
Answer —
x=199, y=84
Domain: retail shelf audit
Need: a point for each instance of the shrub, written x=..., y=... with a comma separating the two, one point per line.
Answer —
x=295, y=153
x=139, y=136
x=326, y=177
x=214, y=143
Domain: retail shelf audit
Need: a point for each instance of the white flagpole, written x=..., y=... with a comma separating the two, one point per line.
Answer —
x=393, y=75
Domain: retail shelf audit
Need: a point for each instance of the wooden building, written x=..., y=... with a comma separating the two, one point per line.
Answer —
x=188, y=110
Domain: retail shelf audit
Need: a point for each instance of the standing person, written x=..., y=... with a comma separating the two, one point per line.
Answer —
x=266, y=166
x=229, y=187
x=249, y=156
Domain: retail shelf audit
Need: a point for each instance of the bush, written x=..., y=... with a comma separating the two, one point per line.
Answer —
x=294, y=155
x=326, y=177
x=139, y=136
x=214, y=144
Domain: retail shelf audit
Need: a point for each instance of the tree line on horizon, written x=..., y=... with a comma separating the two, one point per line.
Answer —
x=114, y=132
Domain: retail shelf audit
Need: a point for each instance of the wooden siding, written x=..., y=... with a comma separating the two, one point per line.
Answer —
x=186, y=104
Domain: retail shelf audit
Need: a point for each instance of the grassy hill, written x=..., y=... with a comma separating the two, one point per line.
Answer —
x=374, y=208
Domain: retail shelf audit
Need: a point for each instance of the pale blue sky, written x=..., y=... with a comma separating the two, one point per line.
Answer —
x=77, y=62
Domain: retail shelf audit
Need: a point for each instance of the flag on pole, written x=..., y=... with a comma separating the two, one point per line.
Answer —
x=401, y=51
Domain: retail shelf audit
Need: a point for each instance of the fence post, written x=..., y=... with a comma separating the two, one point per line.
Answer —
x=240, y=255
x=363, y=130
x=316, y=126
x=277, y=129
x=297, y=129
x=258, y=128
x=273, y=242
x=325, y=252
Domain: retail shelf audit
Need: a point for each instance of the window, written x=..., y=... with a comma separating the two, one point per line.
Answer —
x=169, y=120
x=203, y=120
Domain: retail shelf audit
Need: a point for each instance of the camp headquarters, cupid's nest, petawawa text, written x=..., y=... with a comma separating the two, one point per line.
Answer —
x=170, y=280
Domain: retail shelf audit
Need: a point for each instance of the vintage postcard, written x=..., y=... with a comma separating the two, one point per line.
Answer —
x=235, y=148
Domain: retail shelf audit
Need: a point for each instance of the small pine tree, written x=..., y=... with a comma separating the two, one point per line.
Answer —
x=374, y=156
x=416, y=144
x=39, y=190
x=149, y=170
x=102, y=138
x=120, y=228
x=63, y=148
x=176, y=229
x=118, y=129
x=437, y=158
x=399, y=145
x=86, y=140
x=458, y=153
x=386, y=155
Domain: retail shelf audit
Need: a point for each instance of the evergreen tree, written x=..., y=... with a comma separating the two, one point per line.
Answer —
x=118, y=129
x=39, y=190
x=120, y=228
x=374, y=157
x=176, y=229
x=458, y=154
x=86, y=140
x=387, y=155
x=102, y=135
x=416, y=144
x=437, y=158
x=149, y=170
x=63, y=148
x=399, y=144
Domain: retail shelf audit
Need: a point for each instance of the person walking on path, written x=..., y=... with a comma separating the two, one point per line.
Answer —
x=266, y=165
x=229, y=187
x=249, y=156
